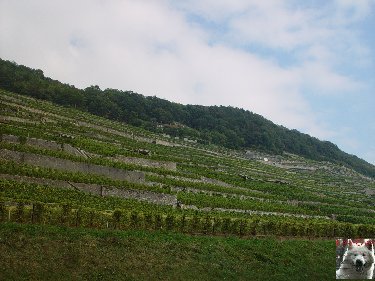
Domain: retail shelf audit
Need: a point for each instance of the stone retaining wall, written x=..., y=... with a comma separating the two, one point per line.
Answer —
x=52, y=145
x=252, y=212
x=166, y=143
x=216, y=182
x=6, y=119
x=71, y=166
x=147, y=162
x=143, y=195
x=153, y=197
x=47, y=144
x=113, y=131
x=9, y=138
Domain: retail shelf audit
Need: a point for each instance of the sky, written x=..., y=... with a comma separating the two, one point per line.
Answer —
x=307, y=65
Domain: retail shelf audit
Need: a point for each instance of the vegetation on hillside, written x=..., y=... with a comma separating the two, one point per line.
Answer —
x=225, y=126
x=212, y=210
x=34, y=252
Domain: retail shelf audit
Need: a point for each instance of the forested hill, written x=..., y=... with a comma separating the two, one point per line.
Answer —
x=227, y=126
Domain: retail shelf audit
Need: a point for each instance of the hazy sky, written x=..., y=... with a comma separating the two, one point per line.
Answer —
x=308, y=65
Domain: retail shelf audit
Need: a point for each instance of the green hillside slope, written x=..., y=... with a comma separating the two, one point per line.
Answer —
x=83, y=197
x=52, y=253
x=65, y=158
x=225, y=126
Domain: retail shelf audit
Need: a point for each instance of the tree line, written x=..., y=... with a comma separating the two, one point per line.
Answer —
x=226, y=126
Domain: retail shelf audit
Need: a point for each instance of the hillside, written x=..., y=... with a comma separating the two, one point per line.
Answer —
x=53, y=253
x=232, y=128
x=101, y=197
x=69, y=149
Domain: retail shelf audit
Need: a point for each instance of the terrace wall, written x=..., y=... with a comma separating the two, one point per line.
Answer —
x=71, y=166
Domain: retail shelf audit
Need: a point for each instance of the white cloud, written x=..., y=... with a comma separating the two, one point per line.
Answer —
x=157, y=48
x=279, y=27
x=214, y=10
x=323, y=80
x=353, y=10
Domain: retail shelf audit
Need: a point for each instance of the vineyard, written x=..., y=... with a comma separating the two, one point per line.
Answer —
x=61, y=166
x=86, y=198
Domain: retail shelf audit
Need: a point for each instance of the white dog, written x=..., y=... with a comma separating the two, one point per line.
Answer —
x=358, y=261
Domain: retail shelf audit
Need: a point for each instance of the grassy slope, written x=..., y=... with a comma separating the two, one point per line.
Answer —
x=34, y=252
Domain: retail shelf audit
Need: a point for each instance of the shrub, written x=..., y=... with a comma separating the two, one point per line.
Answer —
x=207, y=223
x=182, y=223
x=216, y=225
x=169, y=222
x=147, y=219
x=195, y=223
x=65, y=212
x=78, y=217
x=116, y=218
x=22, y=139
x=158, y=221
x=20, y=211
x=134, y=220
x=37, y=213
x=3, y=211
x=225, y=227
x=242, y=227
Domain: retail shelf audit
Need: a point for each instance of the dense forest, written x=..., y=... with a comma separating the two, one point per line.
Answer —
x=221, y=125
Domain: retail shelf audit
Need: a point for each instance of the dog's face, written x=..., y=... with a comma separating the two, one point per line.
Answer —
x=361, y=256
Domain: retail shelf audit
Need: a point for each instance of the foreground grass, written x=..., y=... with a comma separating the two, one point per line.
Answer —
x=34, y=252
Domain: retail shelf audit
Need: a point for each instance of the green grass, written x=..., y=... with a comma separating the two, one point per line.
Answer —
x=42, y=252
x=34, y=252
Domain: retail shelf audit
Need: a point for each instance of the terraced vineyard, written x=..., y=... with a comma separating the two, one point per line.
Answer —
x=65, y=167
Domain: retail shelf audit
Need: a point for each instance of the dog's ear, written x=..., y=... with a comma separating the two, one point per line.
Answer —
x=350, y=243
x=369, y=245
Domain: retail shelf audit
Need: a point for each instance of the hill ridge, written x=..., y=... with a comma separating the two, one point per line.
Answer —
x=223, y=126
